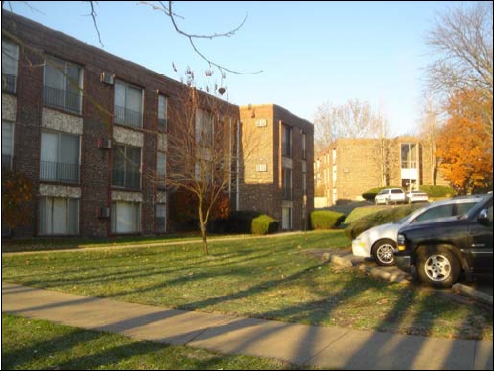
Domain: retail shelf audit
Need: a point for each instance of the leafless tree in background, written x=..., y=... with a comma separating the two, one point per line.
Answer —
x=429, y=126
x=354, y=119
x=461, y=41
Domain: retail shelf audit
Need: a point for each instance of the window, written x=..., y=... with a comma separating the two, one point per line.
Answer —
x=62, y=85
x=126, y=167
x=58, y=216
x=409, y=156
x=162, y=113
x=125, y=217
x=161, y=169
x=204, y=128
x=7, y=144
x=128, y=105
x=59, y=157
x=10, y=62
x=161, y=217
x=286, y=174
x=286, y=141
x=304, y=146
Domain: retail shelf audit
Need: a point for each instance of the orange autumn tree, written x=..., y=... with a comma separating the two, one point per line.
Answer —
x=463, y=147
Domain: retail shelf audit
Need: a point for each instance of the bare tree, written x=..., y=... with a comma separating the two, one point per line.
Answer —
x=462, y=43
x=354, y=119
x=383, y=154
x=429, y=127
x=201, y=155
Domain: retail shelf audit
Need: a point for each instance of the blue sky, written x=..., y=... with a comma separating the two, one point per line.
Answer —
x=309, y=52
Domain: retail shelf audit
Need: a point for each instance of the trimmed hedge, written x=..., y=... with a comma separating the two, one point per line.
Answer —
x=250, y=222
x=320, y=220
x=437, y=191
x=263, y=225
x=384, y=216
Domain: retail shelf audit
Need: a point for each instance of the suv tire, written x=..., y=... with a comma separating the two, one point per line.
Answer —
x=437, y=266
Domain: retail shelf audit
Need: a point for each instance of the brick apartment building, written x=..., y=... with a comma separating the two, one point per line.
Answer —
x=278, y=156
x=86, y=127
x=350, y=167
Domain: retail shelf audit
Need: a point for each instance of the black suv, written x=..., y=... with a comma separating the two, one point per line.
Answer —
x=438, y=252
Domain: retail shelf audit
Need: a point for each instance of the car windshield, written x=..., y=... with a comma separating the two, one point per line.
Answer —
x=413, y=214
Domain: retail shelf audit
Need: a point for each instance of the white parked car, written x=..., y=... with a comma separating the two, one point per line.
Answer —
x=378, y=242
x=417, y=196
x=391, y=196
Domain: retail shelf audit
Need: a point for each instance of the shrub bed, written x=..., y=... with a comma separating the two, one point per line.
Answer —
x=263, y=225
x=325, y=219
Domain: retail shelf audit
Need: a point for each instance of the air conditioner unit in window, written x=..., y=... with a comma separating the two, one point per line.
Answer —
x=107, y=78
x=104, y=212
x=262, y=123
x=104, y=143
x=262, y=167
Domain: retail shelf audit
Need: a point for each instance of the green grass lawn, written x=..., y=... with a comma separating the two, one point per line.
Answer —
x=31, y=344
x=266, y=277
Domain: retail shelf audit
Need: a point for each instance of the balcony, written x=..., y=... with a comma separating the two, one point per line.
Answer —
x=162, y=125
x=127, y=179
x=63, y=172
x=128, y=117
x=287, y=192
x=6, y=162
x=286, y=150
x=62, y=99
x=9, y=83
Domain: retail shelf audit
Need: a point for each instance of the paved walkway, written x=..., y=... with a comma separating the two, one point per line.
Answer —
x=323, y=347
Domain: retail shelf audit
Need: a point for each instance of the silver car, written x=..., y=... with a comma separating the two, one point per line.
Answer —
x=378, y=242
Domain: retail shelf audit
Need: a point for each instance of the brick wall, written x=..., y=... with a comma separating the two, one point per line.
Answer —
x=261, y=189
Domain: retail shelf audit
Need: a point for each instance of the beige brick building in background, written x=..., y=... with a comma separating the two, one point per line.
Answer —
x=350, y=167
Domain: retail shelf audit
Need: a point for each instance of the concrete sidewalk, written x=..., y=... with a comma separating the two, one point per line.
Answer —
x=323, y=347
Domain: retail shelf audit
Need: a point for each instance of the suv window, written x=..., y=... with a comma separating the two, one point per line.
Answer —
x=437, y=212
x=396, y=191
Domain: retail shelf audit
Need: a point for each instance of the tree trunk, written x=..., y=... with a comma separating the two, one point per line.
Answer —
x=204, y=238
x=202, y=222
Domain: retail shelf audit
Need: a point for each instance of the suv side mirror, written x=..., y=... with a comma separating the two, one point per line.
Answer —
x=485, y=216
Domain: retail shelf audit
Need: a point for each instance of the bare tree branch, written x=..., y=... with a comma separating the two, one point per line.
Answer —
x=93, y=16
x=462, y=44
x=191, y=37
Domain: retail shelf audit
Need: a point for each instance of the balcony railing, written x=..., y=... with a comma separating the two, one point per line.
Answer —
x=409, y=164
x=9, y=83
x=286, y=150
x=127, y=179
x=163, y=125
x=287, y=192
x=128, y=117
x=54, y=171
x=7, y=162
x=62, y=99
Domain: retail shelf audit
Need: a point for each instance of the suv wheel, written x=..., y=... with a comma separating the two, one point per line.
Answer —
x=382, y=251
x=437, y=266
